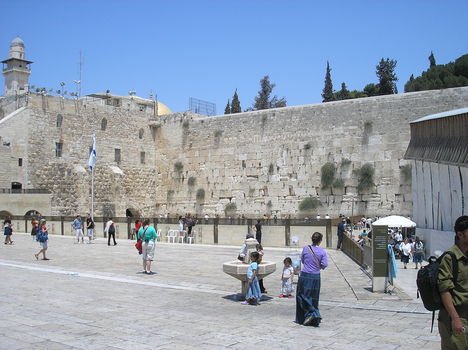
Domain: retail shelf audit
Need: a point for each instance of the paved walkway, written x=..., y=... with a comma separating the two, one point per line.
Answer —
x=93, y=297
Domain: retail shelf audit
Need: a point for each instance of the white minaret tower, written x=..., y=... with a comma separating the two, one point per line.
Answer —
x=16, y=70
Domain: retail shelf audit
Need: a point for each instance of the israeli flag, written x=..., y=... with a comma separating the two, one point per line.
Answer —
x=92, y=155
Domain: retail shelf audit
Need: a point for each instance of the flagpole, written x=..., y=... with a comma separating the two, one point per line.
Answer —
x=91, y=163
x=92, y=194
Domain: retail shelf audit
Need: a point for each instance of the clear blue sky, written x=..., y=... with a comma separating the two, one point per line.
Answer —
x=208, y=48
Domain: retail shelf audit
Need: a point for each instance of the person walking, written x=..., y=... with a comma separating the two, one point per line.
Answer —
x=90, y=227
x=418, y=252
x=453, y=288
x=340, y=233
x=148, y=236
x=43, y=238
x=78, y=227
x=314, y=259
x=405, y=248
x=8, y=230
x=110, y=231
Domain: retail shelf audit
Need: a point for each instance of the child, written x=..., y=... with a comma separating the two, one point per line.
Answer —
x=42, y=238
x=287, y=279
x=8, y=231
x=35, y=229
x=259, y=249
x=253, y=294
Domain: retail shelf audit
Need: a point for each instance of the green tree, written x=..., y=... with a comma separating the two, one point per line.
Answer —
x=432, y=61
x=327, y=92
x=371, y=89
x=235, y=105
x=227, y=110
x=343, y=94
x=385, y=71
x=442, y=76
x=263, y=101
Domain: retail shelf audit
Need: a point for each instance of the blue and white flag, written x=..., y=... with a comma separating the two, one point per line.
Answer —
x=92, y=155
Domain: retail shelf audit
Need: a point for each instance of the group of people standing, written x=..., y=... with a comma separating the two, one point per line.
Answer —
x=314, y=259
x=77, y=226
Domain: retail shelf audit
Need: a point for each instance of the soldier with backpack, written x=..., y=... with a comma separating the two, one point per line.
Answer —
x=452, y=282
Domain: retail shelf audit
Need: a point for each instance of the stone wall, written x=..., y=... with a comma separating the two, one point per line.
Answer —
x=263, y=161
x=268, y=161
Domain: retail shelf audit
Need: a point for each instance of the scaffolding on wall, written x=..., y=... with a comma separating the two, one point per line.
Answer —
x=202, y=107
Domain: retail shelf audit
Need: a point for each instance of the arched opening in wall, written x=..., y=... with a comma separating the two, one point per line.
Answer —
x=103, y=124
x=141, y=132
x=32, y=214
x=59, y=121
x=132, y=213
x=16, y=187
x=4, y=214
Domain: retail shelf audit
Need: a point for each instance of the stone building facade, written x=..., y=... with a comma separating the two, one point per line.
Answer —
x=151, y=162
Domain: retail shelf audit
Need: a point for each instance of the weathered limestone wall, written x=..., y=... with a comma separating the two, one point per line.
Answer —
x=118, y=186
x=263, y=161
x=275, y=156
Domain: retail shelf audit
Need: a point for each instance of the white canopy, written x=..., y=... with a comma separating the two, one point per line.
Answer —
x=394, y=221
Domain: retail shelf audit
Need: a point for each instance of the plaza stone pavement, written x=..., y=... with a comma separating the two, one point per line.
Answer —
x=93, y=297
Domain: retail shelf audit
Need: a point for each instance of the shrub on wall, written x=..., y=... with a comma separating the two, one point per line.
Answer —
x=191, y=181
x=406, y=171
x=178, y=166
x=271, y=169
x=309, y=204
x=365, y=177
x=339, y=183
x=345, y=162
x=200, y=194
x=230, y=209
x=328, y=174
x=218, y=133
x=170, y=193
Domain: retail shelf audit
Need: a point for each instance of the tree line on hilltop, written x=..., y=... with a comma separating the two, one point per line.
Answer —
x=452, y=74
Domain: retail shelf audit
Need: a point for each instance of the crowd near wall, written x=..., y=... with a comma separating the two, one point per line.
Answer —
x=265, y=162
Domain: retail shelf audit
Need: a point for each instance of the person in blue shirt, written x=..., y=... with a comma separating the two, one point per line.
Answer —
x=253, y=294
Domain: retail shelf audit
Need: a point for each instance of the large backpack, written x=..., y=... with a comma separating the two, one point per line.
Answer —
x=40, y=237
x=427, y=283
x=112, y=228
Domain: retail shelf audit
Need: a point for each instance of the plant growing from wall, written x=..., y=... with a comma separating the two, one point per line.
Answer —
x=230, y=209
x=365, y=177
x=328, y=174
x=308, y=204
x=271, y=169
x=345, y=162
x=185, y=124
x=307, y=146
x=338, y=183
x=191, y=181
x=251, y=191
x=200, y=195
x=218, y=133
x=406, y=172
x=170, y=194
x=178, y=166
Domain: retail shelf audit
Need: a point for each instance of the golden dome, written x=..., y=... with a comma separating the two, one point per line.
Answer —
x=163, y=109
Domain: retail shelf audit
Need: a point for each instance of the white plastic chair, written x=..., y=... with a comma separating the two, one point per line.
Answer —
x=171, y=236
x=191, y=239
x=181, y=236
x=158, y=235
